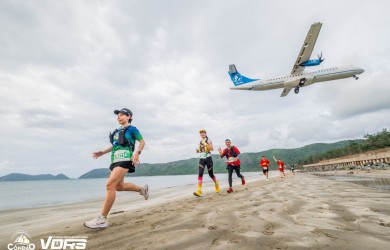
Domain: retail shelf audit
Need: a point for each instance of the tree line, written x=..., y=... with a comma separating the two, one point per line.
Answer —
x=370, y=142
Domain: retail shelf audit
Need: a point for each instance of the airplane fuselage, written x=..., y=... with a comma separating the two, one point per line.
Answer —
x=302, y=79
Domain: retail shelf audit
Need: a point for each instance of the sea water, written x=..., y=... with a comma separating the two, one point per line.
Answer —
x=27, y=194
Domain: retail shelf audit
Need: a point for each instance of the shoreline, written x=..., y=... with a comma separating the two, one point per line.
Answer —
x=19, y=219
x=301, y=211
x=80, y=191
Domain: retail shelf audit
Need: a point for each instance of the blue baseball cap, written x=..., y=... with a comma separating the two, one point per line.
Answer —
x=124, y=111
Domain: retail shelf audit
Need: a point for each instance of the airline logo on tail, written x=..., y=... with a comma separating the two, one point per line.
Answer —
x=237, y=78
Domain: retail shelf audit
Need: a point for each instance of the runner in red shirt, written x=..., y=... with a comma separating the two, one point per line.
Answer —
x=264, y=164
x=233, y=162
x=281, y=166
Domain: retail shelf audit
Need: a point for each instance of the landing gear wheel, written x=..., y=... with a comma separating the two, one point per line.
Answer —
x=296, y=90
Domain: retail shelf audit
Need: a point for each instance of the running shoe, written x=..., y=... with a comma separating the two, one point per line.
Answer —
x=230, y=190
x=198, y=193
x=144, y=191
x=99, y=222
x=217, y=187
x=243, y=180
x=267, y=179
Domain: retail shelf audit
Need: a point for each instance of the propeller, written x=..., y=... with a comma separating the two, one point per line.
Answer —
x=320, y=57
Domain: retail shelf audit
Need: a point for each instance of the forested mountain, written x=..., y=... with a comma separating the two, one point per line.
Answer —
x=27, y=177
x=249, y=161
x=371, y=142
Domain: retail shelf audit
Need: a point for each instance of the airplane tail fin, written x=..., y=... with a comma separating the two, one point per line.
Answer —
x=237, y=78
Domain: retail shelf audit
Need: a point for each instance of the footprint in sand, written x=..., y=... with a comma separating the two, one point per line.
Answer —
x=384, y=224
x=269, y=229
x=155, y=225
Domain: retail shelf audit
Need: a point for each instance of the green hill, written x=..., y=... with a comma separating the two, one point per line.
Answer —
x=96, y=173
x=26, y=177
x=249, y=161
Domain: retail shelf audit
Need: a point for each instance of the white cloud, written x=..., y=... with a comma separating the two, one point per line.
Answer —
x=65, y=67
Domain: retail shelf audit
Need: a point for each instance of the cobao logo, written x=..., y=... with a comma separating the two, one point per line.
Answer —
x=237, y=79
x=21, y=241
x=64, y=242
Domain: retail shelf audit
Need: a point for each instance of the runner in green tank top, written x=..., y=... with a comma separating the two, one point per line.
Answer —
x=123, y=161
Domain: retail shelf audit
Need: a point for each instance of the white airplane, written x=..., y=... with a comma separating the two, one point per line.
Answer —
x=298, y=76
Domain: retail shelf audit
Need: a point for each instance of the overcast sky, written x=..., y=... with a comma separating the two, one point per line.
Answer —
x=66, y=65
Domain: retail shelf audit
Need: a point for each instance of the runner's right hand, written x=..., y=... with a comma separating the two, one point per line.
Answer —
x=97, y=154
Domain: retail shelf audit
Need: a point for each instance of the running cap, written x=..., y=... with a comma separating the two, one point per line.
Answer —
x=124, y=111
x=227, y=140
x=202, y=131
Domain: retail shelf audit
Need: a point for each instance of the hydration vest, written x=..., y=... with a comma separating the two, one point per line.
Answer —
x=122, y=140
x=232, y=153
x=202, y=148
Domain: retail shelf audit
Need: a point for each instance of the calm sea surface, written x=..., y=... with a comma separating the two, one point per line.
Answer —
x=26, y=194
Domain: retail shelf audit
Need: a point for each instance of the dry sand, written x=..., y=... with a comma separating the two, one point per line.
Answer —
x=298, y=212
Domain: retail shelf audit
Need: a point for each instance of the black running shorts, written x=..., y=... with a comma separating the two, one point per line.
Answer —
x=124, y=164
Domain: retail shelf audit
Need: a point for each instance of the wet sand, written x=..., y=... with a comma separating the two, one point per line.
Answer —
x=298, y=212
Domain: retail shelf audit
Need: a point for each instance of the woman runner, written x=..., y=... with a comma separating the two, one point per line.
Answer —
x=123, y=159
x=204, y=149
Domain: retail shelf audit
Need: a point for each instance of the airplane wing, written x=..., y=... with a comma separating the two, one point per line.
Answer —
x=307, y=48
x=285, y=92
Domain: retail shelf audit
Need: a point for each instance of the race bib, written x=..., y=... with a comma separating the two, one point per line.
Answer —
x=265, y=168
x=121, y=155
x=231, y=159
x=202, y=155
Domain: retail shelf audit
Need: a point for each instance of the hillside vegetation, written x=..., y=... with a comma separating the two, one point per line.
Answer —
x=371, y=142
x=249, y=161
x=27, y=177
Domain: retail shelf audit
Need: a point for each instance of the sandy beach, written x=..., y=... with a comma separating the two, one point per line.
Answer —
x=298, y=212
